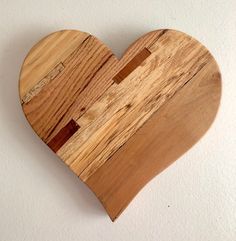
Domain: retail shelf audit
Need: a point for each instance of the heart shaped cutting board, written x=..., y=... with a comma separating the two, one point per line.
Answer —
x=118, y=123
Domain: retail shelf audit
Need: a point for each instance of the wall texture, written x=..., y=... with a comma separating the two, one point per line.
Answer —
x=40, y=199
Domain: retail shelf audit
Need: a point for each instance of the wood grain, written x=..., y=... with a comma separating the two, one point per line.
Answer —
x=63, y=135
x=175, y=127
x=45, y=55
x=132, y=65
x=118, y=123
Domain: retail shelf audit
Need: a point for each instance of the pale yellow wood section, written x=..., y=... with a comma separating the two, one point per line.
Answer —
x=46, y=54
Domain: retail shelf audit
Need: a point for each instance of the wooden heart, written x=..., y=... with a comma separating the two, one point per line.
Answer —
x=118, y=123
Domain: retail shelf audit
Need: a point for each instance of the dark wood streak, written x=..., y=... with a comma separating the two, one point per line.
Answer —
x=132, y=65
x=63, y=135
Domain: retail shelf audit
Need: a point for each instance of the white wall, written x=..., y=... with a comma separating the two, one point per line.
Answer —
x=40, y=199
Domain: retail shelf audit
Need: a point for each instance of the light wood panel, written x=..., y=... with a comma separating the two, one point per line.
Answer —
x=117, y=123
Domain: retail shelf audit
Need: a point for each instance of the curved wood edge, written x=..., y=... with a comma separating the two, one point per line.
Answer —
x=108, y=181
x=38, y=62
x=45, y=70
x=176, y=127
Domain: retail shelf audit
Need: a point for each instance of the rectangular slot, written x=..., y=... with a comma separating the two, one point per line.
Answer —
x=63, y=135
x=132, y=65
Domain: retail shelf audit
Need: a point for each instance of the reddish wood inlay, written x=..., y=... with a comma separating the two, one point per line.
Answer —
x=63, y=135
x=132, y=65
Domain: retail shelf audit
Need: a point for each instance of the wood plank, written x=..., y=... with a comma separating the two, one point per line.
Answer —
x=118, y=123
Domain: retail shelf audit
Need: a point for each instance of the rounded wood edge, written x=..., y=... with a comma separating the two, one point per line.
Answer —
x=113, y=217
x=110, y=208
x=38, y=45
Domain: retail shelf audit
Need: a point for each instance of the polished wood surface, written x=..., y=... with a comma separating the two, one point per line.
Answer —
x=118, y=123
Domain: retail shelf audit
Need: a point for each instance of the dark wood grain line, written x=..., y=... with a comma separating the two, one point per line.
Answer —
x=156, y=39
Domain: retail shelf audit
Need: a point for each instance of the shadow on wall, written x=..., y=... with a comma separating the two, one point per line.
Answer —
x=41, y=157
